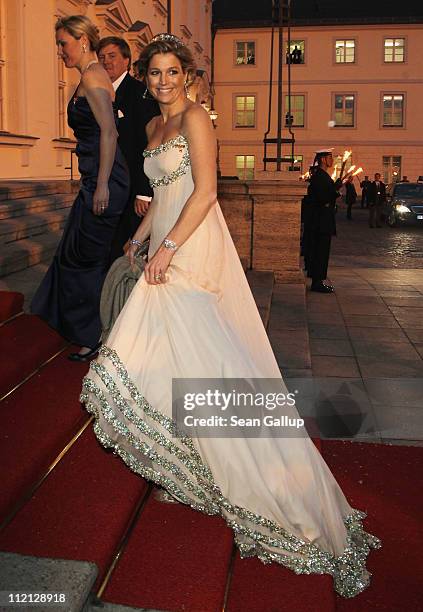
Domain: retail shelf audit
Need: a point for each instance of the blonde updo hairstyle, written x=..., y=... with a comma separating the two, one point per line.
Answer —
x=168, y=44
x=77, y=26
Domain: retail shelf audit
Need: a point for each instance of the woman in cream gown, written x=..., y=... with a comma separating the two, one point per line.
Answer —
x=192, y=315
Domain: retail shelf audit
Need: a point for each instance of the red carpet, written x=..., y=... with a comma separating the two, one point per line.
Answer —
x=177, y=559
x=383, y=481
x=257, y=587
x=25, y=343
x=11, y=303
x=54, y=414
x=81, y=509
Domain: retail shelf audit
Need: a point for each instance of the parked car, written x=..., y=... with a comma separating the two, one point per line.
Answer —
x=404, y=204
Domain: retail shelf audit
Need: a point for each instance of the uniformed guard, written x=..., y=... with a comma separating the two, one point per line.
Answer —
x=322, y=194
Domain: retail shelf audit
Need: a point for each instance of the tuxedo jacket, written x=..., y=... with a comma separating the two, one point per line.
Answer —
x=376, y=196
x=322, y=195
x=135, y=113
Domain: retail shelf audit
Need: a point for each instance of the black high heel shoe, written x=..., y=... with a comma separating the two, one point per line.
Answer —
x=86, y=356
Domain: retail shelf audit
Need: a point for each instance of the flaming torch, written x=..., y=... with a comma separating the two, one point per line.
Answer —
x=335, y=170
x=346, y=156
x=357, y=172
x=348, y=172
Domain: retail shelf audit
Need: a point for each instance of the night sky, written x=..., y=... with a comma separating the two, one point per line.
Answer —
x=260, y=10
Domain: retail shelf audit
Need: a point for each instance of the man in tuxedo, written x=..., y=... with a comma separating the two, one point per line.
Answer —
x=322, y=195
x=134, y=112
x=377, y=197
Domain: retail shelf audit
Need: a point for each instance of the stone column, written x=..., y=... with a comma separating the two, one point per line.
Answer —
x=276, y=221
x=264, y=218
x=236, y=205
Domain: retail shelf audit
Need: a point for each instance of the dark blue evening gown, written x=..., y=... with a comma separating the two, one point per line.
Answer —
x=68, y=298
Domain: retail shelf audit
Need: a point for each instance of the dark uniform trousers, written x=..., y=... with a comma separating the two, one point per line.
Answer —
x=319, y=224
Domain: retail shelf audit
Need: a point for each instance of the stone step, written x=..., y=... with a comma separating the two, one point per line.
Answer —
x=27, y=206
x=24, y=253
x=11, y=190
x=32, y=225
x=261, y=285
x=26, y=574
x=109, y=607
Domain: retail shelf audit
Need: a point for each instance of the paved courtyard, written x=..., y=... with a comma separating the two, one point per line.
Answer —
x=369, y=333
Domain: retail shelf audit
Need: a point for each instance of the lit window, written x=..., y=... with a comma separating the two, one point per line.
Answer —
x=245, y=53
x=393, y=110
x=344, y=110
x=245, y=167
x=245, y=111
x=297, y=110
x=296, y=163
x=295, y=52
x=391, y=168
x=345, y=51
x=394, y=49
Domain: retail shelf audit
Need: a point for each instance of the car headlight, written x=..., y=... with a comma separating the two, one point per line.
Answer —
x=402, y=208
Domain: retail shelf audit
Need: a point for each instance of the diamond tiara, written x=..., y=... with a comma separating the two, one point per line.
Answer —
x=170, y=38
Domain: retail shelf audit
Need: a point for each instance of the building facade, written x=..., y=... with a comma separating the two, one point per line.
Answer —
x=353, y=87
x=35, y=141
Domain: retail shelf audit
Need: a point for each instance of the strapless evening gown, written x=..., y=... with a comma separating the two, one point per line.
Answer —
x=277, y=494
x=68, y=298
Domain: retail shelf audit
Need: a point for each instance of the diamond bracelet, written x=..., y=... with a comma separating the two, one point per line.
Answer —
x=169, y=244
x=137, y=242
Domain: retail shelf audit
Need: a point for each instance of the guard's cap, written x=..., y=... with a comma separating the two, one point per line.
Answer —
x=321, y=153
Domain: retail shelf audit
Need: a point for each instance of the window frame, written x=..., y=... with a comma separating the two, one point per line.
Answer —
x=245, y=155
x=234, y=110
x=236, y=65
x=355, y=109
x=305, y=41
x=335, y=40
x=404, y=61
x=62, y=93
x=400, y=168
x=404, y=103
x=298, y=93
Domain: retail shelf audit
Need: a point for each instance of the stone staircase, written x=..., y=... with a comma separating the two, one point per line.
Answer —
x=32, y=217
x=283, y=311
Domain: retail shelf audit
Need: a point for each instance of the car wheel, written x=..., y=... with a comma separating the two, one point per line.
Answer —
x=392, y=220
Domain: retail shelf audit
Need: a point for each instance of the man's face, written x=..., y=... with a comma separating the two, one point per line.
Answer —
x=377, y=177
x=113, y=61
x=329, y=160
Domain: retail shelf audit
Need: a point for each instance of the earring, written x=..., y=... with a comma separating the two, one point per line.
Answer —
x=186, y=88
x=146, y=94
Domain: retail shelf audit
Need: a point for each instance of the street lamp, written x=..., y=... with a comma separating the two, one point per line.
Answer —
x=213, y=114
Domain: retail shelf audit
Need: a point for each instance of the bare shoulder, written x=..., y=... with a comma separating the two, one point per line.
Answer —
x=96, y=77
x=196, y=121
